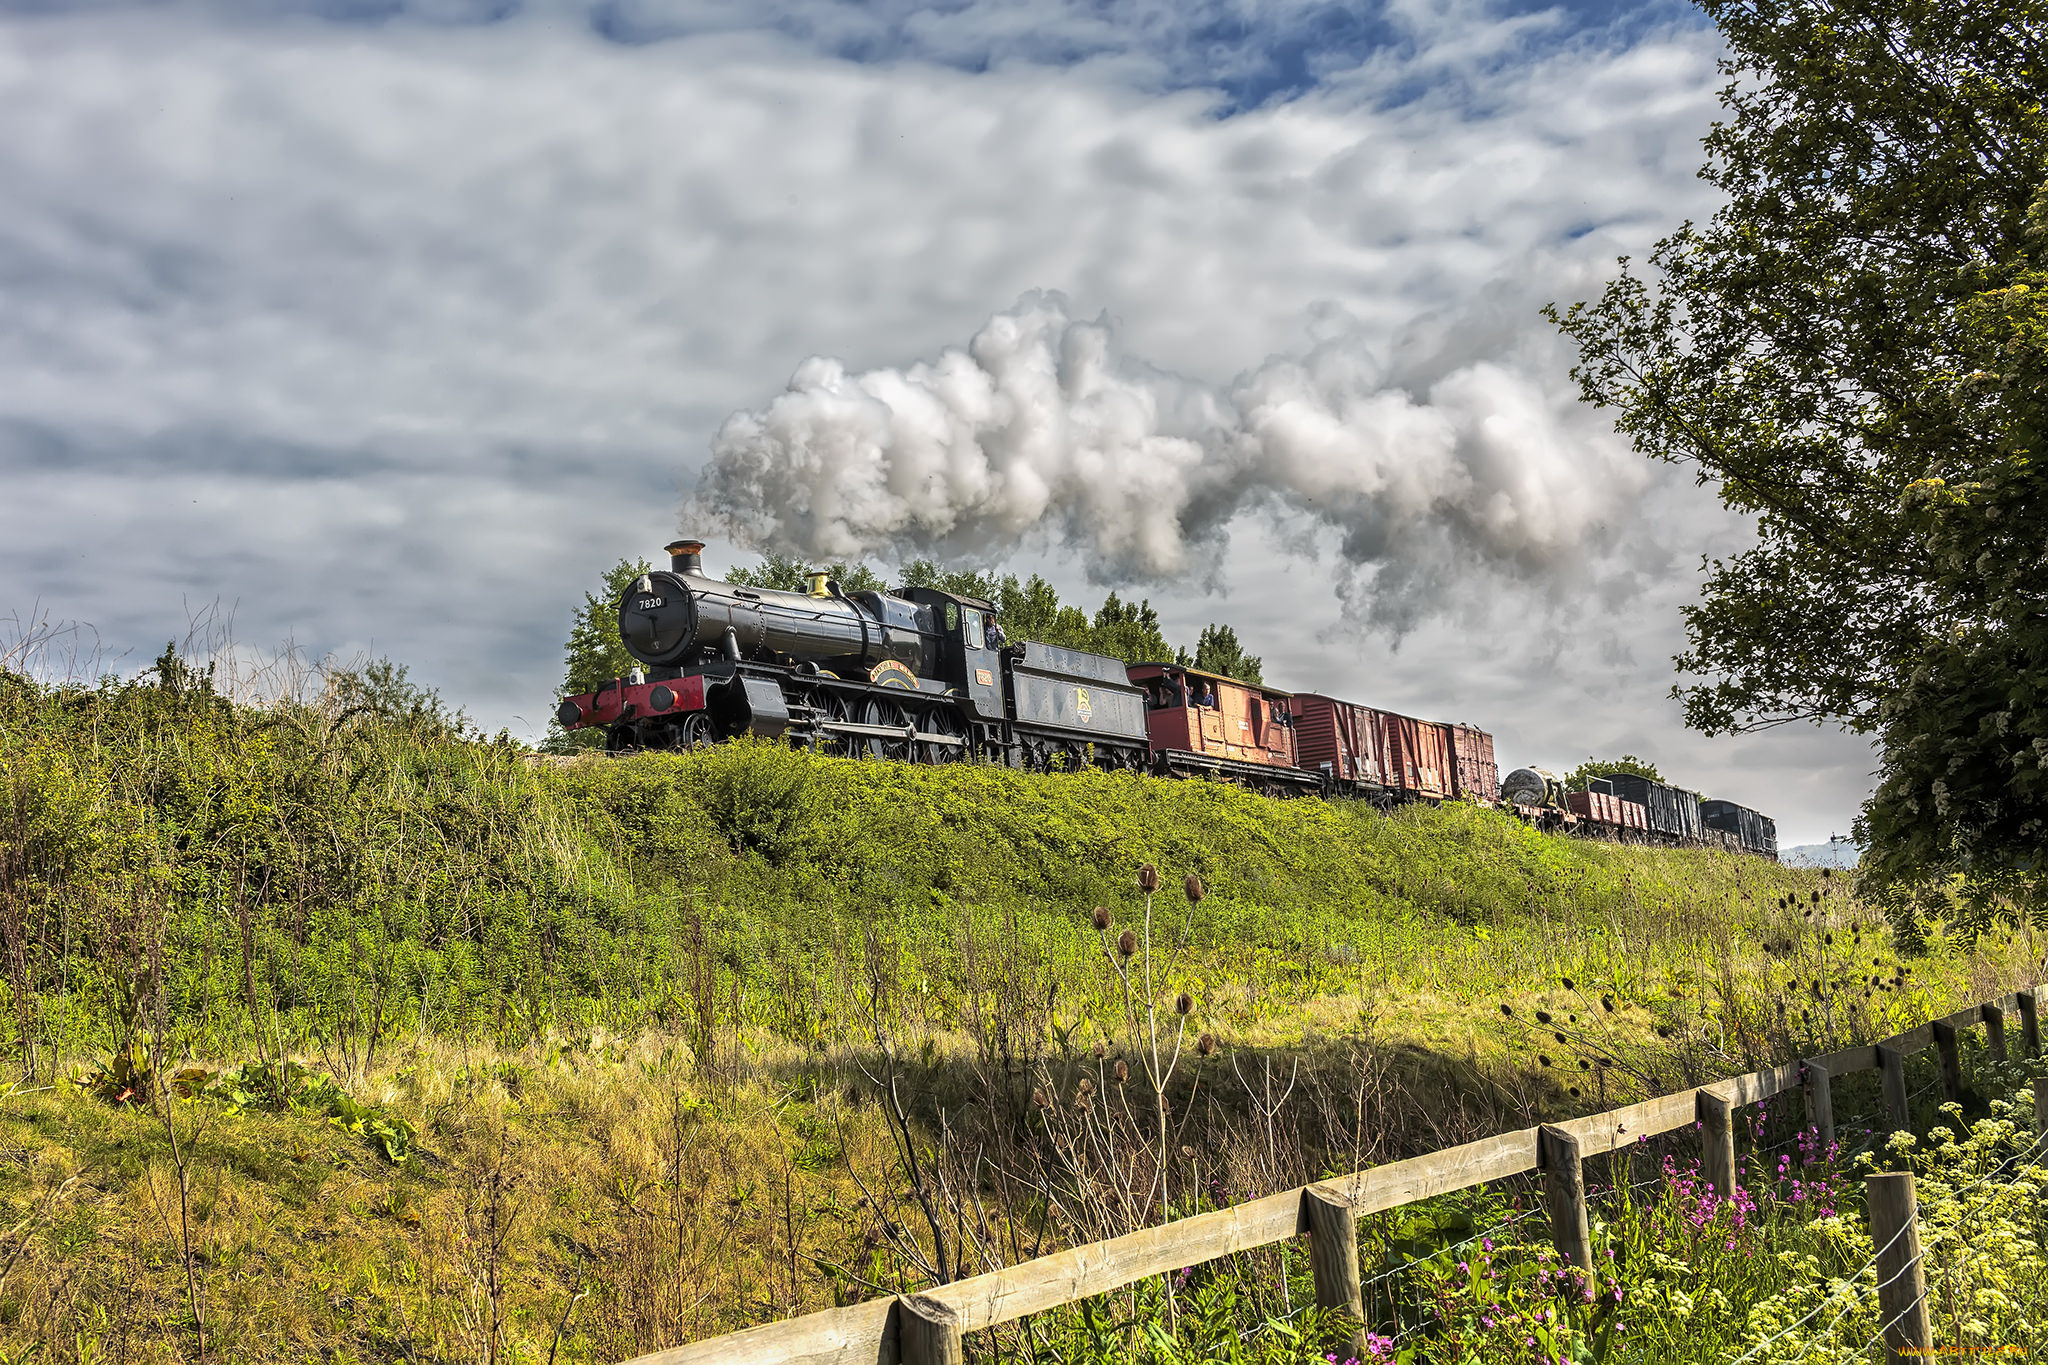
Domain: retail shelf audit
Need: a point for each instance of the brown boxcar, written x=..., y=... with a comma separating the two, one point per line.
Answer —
x=1478, y=774
x=1419, y=756
x=1209, y=723
x=1342, y=739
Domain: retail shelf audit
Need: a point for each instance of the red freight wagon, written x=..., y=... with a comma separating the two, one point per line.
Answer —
x=1206, y=723
x=1344, y=741
x=1420, y=756
x=1478, y=774
x=1598, y=806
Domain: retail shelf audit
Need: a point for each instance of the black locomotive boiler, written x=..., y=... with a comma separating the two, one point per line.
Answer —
x=908, y=674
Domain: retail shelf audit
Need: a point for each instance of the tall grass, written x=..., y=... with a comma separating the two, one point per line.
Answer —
x=670, y=1044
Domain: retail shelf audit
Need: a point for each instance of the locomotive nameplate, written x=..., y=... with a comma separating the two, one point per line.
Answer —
x=984, y=678
x=890, y=673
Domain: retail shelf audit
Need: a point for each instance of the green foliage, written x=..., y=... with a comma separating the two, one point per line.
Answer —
x=384, y=690
x=1878, y=157
x=1219, y=652
x=1963, y=790
x=759, y=805
x=793, y=575
x=1627, y=764
x=315, y=881
x=1841, y=344
x=594, y=654
x=288, y=1085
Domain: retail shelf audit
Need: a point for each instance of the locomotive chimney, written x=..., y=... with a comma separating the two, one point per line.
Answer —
x=686, y=556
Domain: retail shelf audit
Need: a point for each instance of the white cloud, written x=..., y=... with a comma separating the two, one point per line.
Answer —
x=398, y=333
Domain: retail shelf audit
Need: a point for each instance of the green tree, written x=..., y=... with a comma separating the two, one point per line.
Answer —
x=594, y=654
x=1877, y=157
x=923, y=573
x=1218, y=651
x=794, y=575
x=1809, y=351
x=1627, y=764
x=1129, y=631
x=1963, y=786
x=1032, y=610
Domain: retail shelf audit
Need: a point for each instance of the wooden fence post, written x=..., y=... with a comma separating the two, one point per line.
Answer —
x=1951, y=1060
x=1994, y=1031
x=2040, y=1110
x=1901, y=1281
x=2030, y=1023
x=1820, y=1104
x=1717, y=1141
x=1333, y=1256
x=1897, y=1110
x=928, y=1332
x=1564, y=1179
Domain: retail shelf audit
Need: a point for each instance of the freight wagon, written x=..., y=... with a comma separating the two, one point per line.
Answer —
x=1208, y=725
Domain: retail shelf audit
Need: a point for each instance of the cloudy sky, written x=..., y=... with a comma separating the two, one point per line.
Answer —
x=388, y=326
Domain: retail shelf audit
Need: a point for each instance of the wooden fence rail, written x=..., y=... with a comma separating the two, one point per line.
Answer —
x=927, y=1328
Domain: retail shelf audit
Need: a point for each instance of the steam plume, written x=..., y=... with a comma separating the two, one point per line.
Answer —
x=1044, y=427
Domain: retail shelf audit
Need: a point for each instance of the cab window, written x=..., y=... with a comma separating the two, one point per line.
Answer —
x=952, y=616
x=971, y=628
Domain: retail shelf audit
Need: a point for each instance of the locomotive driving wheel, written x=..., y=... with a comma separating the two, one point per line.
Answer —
x=941, y=721
x=831, y=706
x=875, y=711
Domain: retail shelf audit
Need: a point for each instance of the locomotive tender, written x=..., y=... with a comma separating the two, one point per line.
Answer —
x=926, y=676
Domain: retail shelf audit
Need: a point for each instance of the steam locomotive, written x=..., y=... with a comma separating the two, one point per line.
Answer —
x=926, y=676
x=914, y=674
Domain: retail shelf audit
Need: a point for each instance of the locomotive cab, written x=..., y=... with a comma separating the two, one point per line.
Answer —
x=965, y=661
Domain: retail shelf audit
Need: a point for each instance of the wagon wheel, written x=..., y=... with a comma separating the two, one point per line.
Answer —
x=940, y=721
x=875, y=711
x=620, y=737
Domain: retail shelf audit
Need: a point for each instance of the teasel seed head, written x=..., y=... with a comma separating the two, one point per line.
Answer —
x=1101, y=917
x=1121, y=1071
x=1126, y=943
x=1183, y=1003
x=1148, y=879
x=1194, y=889
x=1206, y=1044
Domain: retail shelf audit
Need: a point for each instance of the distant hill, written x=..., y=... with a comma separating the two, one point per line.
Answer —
x=1820, y=855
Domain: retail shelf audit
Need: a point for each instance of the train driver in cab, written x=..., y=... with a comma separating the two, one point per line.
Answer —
x=991, y=631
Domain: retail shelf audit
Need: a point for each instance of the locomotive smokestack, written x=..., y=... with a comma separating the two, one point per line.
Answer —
x=686, y=556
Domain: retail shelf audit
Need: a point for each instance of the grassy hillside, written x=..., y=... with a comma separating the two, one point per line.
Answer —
x=340, y=1033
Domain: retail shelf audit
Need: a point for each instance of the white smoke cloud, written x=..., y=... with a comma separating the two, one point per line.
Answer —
x=1043, y=428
